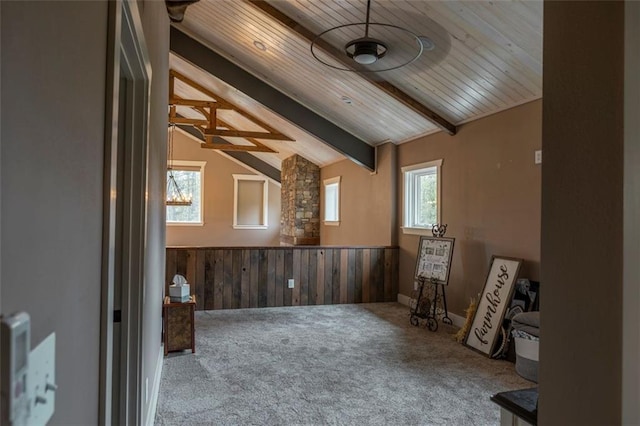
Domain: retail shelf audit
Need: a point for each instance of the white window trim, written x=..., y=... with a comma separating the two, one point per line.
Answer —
x=407, y=194
x=265, y=201
x=325, y=183
x=196, y=164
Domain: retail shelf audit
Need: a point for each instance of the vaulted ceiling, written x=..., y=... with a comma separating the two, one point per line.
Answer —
x=480, y=57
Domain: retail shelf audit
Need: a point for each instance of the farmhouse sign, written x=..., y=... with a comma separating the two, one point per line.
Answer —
x=494, y=300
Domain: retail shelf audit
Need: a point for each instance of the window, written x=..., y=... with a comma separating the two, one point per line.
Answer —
x=421, y=196
x=332, y=201
x=189, y=176
x=250, y=202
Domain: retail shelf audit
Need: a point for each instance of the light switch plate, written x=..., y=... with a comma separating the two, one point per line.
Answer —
x=538, y=157
x=42, y=370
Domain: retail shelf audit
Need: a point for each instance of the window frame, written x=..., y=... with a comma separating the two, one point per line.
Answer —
x=176, y=165
x=265, y=201
x=326, y=183
x=409, y=174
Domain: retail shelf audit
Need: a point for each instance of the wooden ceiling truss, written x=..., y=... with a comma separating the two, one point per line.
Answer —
x=245, y=158
x=212, y=62
x=211, y=125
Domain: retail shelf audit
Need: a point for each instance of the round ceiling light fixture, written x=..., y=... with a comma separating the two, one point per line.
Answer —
x=427, y=43
x=367, y=52
x=260, y=45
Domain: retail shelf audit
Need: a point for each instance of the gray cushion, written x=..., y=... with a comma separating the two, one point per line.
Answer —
x=528, y=322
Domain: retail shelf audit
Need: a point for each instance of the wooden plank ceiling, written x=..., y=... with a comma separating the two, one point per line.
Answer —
x=487, y=57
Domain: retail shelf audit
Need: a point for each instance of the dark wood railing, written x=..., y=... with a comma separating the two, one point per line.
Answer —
x=254, y=277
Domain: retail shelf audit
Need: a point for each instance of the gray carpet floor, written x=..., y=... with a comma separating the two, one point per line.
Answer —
x=329, y=365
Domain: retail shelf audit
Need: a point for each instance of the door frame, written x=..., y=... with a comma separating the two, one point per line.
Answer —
x=126, y=54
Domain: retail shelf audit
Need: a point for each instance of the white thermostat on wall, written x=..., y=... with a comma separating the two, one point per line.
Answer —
x=15, y=403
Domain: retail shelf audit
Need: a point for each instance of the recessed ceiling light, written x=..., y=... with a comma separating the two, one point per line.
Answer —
x=259, y=45
x=427, y=43
x=347, y=100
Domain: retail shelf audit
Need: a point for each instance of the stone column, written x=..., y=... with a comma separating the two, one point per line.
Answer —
x=300, y=208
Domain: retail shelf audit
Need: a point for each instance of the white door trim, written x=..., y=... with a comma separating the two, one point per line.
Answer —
x=127, y=55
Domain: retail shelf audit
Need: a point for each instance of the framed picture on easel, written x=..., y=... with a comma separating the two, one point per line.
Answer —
x=434, y=259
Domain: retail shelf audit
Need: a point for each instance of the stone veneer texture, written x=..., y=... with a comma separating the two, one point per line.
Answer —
x=300, y=211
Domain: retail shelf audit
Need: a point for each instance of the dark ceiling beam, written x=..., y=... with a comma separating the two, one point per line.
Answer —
x=244, y=157
x=200, y=55
x=383, y=85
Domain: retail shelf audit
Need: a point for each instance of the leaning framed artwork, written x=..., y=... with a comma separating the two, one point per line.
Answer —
x=492, y=304
x=434, y=259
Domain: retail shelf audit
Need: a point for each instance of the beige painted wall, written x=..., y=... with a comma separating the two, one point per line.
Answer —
x=583, y=212
x=49, y=69
x=367, y=202
x=218, y=203
x=52, y=189
x=631, y=274
x=490, y=198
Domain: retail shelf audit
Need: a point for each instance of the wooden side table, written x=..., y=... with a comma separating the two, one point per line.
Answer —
x=178, y=325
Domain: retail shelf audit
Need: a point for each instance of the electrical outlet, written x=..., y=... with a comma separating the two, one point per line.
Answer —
x=537, y=159
x=291, y=283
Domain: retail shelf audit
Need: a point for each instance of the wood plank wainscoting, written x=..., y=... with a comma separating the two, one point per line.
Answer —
x=256, y=277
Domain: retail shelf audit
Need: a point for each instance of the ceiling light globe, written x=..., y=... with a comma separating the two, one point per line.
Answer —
x=365, y=52
x=365, y=58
